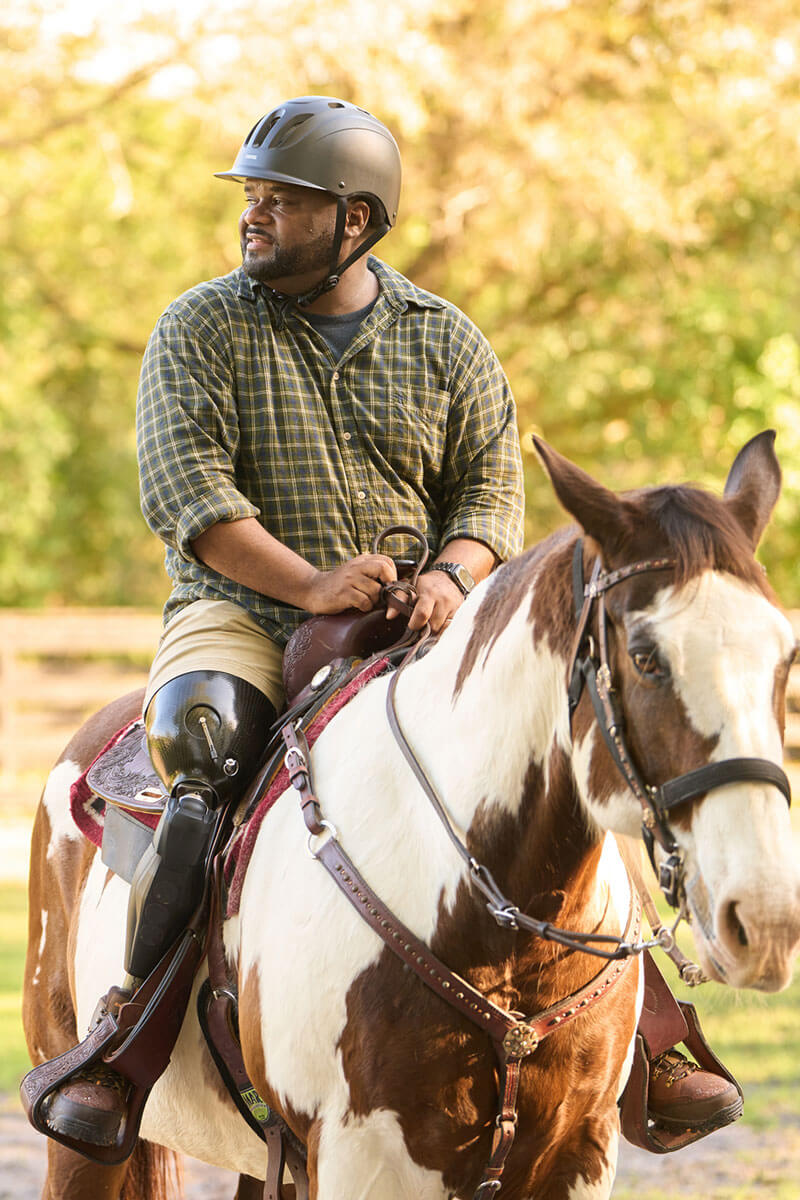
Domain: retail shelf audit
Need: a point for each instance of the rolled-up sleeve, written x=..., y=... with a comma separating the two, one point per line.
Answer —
x=187, y=434
x=483, y=480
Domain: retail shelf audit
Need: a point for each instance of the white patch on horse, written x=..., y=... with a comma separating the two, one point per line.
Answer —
x=625, y=1069
x=365, y=1158
x=617, y=811
x=185, y=1114
x=613, y=873
x=100, y=941
x=740, y=843
x=582, y=1189
x=391, y=832
x=56, y=802
x=722, y=672
x=40, y=951
x=476, y=760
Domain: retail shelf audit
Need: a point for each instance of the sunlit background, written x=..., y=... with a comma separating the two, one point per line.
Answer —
x=610, y=189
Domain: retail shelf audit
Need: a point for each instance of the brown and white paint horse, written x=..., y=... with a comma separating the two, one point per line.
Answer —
x=393, y=1093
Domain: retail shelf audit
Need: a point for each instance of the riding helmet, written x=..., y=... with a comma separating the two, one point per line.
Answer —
x=325, y=143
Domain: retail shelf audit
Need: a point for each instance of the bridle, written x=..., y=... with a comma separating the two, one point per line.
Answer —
x=590, y=669
x=514, y=1036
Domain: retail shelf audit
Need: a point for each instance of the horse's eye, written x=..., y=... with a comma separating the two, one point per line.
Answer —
x=648, y=664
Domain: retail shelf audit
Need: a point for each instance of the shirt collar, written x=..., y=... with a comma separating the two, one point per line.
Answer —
x=399, y=291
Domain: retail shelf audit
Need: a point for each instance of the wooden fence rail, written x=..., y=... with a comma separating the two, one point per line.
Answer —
x=57, y=666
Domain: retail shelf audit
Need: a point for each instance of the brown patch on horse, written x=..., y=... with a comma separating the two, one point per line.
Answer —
x=96, y=732
x=700, y=532
x=55, y=885
x=510, y=586
x=253, y=1054
x=405, y=1049
x=780, y=684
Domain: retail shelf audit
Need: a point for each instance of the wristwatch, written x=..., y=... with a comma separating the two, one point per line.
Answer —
x=459, y=575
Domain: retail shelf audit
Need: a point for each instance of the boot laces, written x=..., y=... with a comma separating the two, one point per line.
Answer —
x=673, y=1065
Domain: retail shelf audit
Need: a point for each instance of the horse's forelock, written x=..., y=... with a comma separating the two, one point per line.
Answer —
x=700, y=533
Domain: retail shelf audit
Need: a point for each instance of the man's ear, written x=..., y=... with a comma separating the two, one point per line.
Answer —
x=357, y=219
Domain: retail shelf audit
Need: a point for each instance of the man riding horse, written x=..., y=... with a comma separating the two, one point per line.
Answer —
x=288, y=412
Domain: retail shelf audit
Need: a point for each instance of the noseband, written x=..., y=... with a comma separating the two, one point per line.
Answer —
x=590, y=669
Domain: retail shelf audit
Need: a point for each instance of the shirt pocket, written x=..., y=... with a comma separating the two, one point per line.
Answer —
x=416, y=434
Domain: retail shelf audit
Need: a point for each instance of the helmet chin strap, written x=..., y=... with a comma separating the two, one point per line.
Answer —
x=337, y=269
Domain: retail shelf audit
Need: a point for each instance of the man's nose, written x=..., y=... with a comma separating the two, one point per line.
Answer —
x=256, y=209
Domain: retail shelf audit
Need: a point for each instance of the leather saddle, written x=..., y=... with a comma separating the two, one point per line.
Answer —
x=123, y=776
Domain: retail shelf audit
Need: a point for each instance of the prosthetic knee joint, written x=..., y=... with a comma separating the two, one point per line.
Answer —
x=206, y=732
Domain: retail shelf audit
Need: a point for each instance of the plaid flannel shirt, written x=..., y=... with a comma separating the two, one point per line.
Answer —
x=244, y=412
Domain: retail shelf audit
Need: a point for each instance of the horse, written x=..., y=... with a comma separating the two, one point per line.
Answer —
x=392, y=1091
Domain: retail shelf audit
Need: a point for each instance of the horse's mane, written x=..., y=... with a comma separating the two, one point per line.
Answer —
x=700, y=532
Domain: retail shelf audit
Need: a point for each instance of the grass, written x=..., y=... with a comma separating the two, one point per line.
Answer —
x=756, y=1036
x=13, y=938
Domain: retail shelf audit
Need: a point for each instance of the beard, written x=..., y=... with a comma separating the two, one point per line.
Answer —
x=283, y=262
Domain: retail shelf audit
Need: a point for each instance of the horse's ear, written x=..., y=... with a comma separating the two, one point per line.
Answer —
x=601, y=513
x=754, y=484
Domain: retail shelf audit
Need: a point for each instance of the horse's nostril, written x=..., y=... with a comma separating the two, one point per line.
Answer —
x=735, y=926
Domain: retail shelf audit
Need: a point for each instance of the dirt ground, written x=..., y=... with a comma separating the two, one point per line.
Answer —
x=736, y=1162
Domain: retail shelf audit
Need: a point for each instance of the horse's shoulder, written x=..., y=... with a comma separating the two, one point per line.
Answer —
x=100, y=727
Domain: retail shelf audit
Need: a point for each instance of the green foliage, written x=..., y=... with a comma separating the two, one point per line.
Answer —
x=611, y=191
x=14, y=1060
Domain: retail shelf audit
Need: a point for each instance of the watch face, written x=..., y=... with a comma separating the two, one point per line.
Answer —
x=463, y=577
x=459, y=574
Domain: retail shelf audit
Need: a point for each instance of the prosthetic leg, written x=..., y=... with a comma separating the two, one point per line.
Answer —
x=206, y=734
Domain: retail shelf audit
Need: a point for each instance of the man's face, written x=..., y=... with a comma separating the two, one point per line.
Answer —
x=286, y=234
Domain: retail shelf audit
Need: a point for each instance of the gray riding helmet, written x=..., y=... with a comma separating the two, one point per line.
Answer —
x=325, y=143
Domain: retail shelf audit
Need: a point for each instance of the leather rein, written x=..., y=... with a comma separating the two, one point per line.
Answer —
x=514, y=1036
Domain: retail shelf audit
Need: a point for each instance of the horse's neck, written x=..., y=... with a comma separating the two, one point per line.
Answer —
x=486, y=707
x=486, y=713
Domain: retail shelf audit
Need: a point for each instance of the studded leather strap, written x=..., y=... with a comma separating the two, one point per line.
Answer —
x=512, y=1036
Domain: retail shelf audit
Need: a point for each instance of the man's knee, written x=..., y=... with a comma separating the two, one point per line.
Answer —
x=206, y=734
x=207, y=731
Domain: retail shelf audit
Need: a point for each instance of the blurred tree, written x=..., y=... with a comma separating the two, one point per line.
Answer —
x=610, y=190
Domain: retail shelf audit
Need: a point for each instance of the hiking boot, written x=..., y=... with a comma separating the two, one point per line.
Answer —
x=681, y=1095
x=90, y=1106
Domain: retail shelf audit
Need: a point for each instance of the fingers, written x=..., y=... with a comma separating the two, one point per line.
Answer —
x=438, y=600
x=355, y=584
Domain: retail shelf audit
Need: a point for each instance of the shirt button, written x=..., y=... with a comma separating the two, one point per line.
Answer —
x=335, y=374
x=362, y=495
x=347, y=436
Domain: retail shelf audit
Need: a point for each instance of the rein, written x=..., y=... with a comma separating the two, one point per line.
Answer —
x=505, y=913
x=590, y=669
x=513, y=1035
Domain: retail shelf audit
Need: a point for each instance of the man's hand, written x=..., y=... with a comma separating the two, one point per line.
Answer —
x=437, y=599
x=355, y=584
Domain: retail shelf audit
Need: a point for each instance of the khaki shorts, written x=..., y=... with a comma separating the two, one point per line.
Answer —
x=216, y=635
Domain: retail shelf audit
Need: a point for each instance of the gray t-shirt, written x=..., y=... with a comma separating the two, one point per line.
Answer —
x=338, y=330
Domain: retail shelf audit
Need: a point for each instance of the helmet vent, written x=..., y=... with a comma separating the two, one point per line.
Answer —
x=258, y=133
x=335, y=104
x=283, y=135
